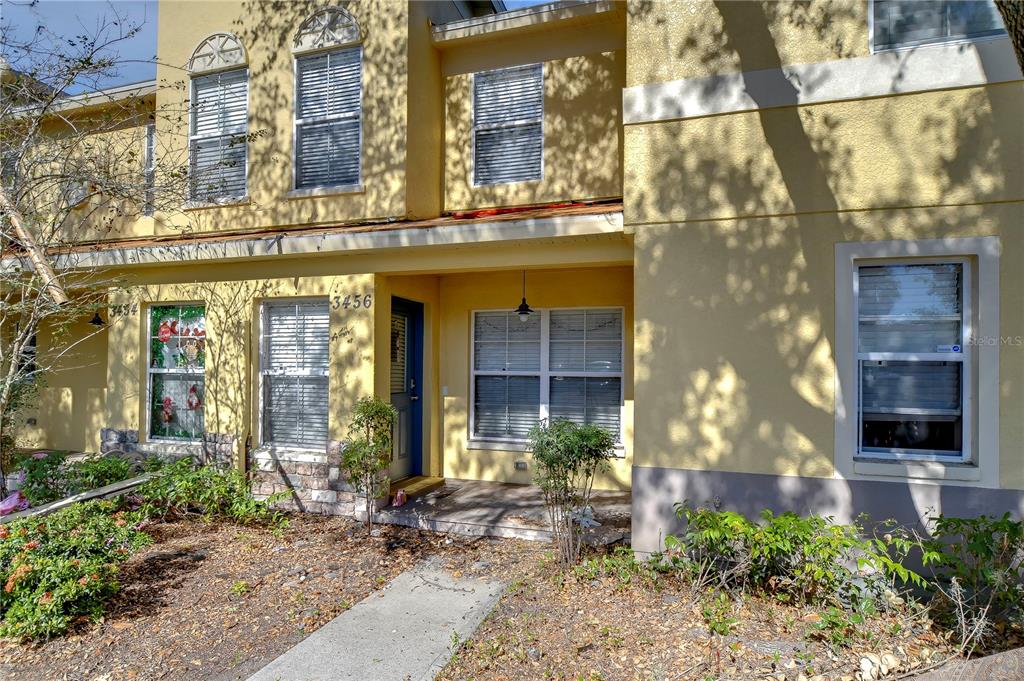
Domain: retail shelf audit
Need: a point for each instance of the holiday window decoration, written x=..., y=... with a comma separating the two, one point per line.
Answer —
x=177, y=364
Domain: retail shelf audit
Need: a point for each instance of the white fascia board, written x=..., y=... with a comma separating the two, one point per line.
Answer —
x=285, y=245
x=931, y=67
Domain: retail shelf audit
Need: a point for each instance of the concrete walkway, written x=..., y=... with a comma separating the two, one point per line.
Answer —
x=404, y=632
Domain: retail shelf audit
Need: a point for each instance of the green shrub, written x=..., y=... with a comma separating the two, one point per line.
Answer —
x=980, y=559
x=621, y=565
x=367, y=456
x=803, y=558
x=61, y=567
x=183, y=489
x=566, y=457
x=49, y=475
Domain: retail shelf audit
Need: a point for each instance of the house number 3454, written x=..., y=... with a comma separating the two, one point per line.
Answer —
x=352, y=301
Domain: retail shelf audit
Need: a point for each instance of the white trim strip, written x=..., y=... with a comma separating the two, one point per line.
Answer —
x=284, y=245
x=932, y=67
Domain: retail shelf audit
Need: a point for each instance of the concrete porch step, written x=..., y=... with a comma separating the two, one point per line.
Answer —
x=417, y=485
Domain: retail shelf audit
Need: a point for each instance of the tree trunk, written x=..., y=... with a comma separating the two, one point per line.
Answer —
x=1013, y=17
x=35, y=254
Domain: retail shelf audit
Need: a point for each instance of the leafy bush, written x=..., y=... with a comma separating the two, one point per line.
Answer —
x=566, y=458
x=182, y=489
x=804, y=558
x=49, y=476
x=978, y=576
x=621, y=564
x=62, y=567
x=367, y=456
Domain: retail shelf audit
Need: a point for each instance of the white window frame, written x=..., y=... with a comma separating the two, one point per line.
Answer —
x=150, y=370
x=261, y=372
x=296, y=121
x=964, y=357
x=914, y=46
x=982, y=441
x=545, y=373
x=149, y=169
x=496, y=126
x=206, y=201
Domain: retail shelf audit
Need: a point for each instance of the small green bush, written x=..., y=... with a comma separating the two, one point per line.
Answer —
x=49, y=475
x=62, y=567
x=367, y=457
x=566, y=458
x=978, y=561
x=810, y=559
x=622, y=566
x=183, y=489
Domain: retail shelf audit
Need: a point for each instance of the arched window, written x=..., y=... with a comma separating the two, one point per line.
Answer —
x=328, y=101
x=219, y=121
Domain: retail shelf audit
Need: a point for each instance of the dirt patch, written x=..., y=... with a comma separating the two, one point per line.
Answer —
x=220, y=601
x=555, y=626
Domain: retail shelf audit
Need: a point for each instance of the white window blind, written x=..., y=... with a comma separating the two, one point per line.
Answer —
x=294, y=369
x=559, y=364
x=906, y=23
x=912, y=360
x=218, y=142
x=328, y=118
x=508, y=131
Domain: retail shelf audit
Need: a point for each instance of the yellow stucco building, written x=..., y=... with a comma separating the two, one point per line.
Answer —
x=774, y=247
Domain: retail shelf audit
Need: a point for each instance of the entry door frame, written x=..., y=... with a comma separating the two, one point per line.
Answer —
x=414, y=377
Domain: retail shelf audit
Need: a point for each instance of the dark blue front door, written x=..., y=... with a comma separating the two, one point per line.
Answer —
x=406, y=386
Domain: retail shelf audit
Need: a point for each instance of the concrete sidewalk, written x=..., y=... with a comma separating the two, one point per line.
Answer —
x=404, y=632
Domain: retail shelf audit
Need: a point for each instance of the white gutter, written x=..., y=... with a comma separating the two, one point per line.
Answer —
x=520, y=18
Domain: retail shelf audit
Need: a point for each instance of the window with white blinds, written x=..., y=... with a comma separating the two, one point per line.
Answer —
x=913, y=362
x=508, y=130
x=294, y=363
x=218, y=144
x=559, y=364
x=908, y=23
x=149, y=171
x=328, y=118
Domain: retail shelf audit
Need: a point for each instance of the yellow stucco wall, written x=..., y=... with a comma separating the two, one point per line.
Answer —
x=232, y=364
x=736, y=219
x=267, y=30
x=582, y=135
x=460, y=296
x=672, y=39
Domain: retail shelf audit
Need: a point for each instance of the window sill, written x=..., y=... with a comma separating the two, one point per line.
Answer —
x=511, y=446
x=171, y=448
x=219, y=203
x=325, y=191
x=281, y=453
x=923, y=470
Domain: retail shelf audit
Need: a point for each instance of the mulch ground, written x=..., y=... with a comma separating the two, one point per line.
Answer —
x=552, y=625
x=210, y=601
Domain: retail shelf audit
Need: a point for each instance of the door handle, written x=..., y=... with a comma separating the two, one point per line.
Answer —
x=413, y=398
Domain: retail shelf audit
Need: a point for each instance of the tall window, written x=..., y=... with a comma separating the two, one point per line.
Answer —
x=558, y=364
x=328, y=118
x=218, y=143
x=294, y=372
x=177, y=364
x=508, y=129
x=913, y=361
x=907, y=23
x=149, y=170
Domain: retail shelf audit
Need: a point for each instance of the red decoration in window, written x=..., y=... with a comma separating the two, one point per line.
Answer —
x=193, y=402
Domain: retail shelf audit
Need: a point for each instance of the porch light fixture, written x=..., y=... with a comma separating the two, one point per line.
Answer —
x=97, y=320
x=524, y=310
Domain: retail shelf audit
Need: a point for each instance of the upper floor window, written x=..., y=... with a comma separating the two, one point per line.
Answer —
x=149, y=170
x=508, y=129
x=218, y=144
x=908, y=23
x=328, y=100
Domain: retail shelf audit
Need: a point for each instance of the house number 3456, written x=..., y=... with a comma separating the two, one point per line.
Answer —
x=352, y=301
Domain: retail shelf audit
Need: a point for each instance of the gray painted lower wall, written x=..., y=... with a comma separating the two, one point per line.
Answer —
x=657, y=490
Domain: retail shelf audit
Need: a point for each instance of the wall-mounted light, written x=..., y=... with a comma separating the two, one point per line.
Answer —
x=524, y=310
x=97, y=320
